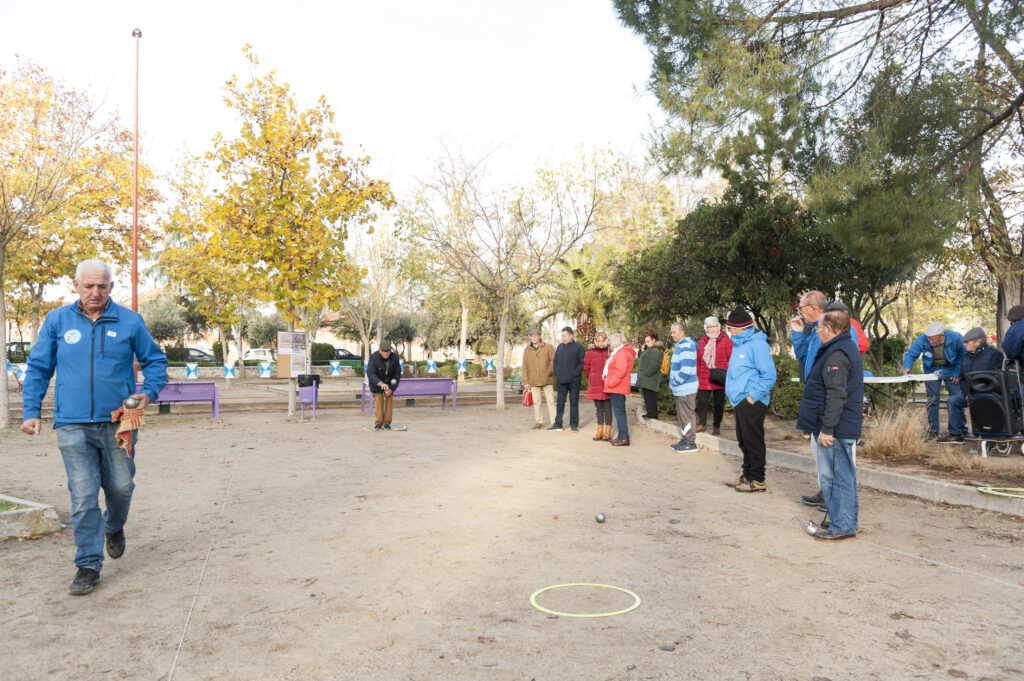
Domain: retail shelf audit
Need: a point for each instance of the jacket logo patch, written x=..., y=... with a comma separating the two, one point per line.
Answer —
x=112, y=334
x=72, y=336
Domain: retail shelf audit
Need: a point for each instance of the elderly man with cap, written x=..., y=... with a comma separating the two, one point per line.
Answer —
x=1013, y=340
x=940, y=351
x=383, y=372
x=538, y=376
x=979, y=356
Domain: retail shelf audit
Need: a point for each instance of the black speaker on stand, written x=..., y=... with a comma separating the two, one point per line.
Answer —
x=995, y=402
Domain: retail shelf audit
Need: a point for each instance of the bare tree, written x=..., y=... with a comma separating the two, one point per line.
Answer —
x=507, y=243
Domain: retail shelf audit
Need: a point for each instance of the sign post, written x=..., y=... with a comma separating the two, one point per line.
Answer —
x=291, y=361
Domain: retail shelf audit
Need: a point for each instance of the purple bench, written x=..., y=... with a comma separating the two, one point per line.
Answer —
x=193, y=391
x=424, y=387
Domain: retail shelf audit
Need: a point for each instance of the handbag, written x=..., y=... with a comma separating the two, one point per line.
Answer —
x=717, y=376
x=527, y=398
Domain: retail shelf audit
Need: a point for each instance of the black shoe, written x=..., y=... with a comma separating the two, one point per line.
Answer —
x=829, y=535
x=557, y=426
x=814, y=499
x=378, y=427
x=85, y=581
x=387, y=426
x=575, y=429
x=115, y=543
x=822, y=507
x=952, y=439
x=931, y=436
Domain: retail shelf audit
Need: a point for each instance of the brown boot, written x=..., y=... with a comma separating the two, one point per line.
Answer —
x=608, y=433
x=701, y=429
x=600, y=433
x=716, y=431
x=620, y=443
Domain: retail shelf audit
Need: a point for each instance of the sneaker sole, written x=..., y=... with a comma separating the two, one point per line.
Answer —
x=811, y=503
x=843, y=538
x=751, y=490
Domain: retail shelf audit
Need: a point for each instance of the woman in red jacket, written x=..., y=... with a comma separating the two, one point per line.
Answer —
x=713, y=352
x=616, y=376
x=593, y=367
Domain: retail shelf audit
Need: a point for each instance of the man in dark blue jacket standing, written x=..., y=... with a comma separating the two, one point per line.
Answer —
x=383, y=372
x=92, y=344
x=979, y=356
x=832, y=411
x=569, y=374
x=1013, y=339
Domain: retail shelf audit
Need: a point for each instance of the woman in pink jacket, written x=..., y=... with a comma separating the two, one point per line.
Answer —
x=616, y=376
x=713, y=352
x=593, y=367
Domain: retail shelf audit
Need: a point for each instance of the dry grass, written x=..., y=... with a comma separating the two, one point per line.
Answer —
x=901, y=437
x=956, y=460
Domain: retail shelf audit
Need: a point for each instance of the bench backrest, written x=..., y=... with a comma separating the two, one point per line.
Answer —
x=206, y=390
x=425, y=386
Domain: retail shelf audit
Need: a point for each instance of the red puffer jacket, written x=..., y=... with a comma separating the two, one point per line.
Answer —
x=620, y=367
x=593, y=366
x=723, y=352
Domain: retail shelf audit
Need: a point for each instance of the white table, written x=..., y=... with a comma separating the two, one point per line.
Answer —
x=890, y=381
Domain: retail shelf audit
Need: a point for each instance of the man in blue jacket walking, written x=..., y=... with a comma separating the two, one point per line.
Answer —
x=91, y=344
x=940, y=351
x=748, y=385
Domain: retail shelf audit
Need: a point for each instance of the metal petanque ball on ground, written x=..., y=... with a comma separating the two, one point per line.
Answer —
x=600, y=517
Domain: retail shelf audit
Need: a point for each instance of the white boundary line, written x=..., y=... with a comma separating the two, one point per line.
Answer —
x=206, y=560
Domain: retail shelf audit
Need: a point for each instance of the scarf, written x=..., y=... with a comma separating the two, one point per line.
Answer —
x=709, y=352
x=604, y=374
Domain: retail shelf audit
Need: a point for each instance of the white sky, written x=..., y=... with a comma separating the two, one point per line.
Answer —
x=538, y=78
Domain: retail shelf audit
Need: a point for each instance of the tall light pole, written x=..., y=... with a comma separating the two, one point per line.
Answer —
x=137, y=34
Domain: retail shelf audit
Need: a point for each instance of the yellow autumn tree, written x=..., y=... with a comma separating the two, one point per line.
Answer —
x=54, y=153
x=290, y=195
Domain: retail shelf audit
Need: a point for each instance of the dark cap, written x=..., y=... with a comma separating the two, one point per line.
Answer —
x=977, y=333
x=533, y=332
x=838, y=305
x=385, y=346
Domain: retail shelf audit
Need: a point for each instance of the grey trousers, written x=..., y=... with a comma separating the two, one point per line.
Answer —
x=686, y=413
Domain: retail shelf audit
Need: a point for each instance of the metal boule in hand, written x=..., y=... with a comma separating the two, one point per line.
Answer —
x=131, y=403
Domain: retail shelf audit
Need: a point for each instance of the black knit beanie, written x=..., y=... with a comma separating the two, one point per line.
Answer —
x=739, y=320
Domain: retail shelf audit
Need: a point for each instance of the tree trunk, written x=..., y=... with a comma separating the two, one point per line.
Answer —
x=223, y=354
x=499, y=363
x=37, y=306
x=5, y=401
x=462, y=337
x=237, y=330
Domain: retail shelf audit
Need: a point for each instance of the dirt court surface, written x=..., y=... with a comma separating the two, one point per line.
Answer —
x=270, y=549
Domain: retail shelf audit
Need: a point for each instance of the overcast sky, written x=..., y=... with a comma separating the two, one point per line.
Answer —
x=536, y=78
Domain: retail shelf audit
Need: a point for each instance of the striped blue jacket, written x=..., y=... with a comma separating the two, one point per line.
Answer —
x=682, y=379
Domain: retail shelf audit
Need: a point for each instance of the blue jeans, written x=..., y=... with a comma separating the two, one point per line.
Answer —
x=573, y=390
x=932, y=389
x=955, y=405
x=840, y=491
x=619, y=410
x=93, y=461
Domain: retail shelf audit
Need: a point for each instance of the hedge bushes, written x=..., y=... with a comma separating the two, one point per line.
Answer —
x=321, y=353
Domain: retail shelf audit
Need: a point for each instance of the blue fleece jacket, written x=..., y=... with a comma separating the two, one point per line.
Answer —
x=1013, y=341
x=93, y=362
x=682, y=378
x=751, y=368
x=922, y=348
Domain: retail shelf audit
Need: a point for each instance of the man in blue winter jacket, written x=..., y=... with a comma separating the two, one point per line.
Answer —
x=91, y=344
x=1013, y=339
x=832, y=410
x=748, y=385
x=940, y=351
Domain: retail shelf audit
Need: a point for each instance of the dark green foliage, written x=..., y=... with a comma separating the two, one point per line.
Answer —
x=785, y=398
x=893, y=349
x=164, y=318
x=321, y=353
x=261, y=330
x=218, y=351
x=175, y=354
x=475, y=370
x=485, y=346
x=403, y=330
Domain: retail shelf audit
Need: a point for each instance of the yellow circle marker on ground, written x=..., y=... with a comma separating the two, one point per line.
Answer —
x=636, y=601
x=1003, y=491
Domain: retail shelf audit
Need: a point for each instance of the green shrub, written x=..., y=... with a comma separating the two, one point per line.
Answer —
x=448, y=369
x=475, y=370
x=321, y=353
x=218, y=352
x=485, y=346
x=785, y=397
x=175, y=354
x=893, y=349
x=18, y=357
x=666, y=400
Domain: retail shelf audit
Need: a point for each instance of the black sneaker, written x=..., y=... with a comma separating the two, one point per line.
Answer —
x=387, y=426
x=822, y=507
x=115, y=543
x=952, y=439
x=85, y=581
x=814, y=499
x=684, y=447
x=378, y=427
x=575, y=429
x=557, y=427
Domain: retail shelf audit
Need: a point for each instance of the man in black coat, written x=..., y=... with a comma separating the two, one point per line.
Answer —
x=383, y=372
x=569, y=374
x=980, y=356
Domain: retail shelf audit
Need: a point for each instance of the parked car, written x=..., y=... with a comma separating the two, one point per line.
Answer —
x=345, y=354
x=260, y=354
x=195, y=355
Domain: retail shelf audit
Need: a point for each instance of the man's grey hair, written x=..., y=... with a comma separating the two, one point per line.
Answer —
x=680, y=326
x=816, y=298
x=94, y=264
x=616, y=339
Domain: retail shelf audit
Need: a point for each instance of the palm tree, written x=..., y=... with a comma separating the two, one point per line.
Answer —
x=583, y=292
